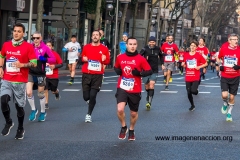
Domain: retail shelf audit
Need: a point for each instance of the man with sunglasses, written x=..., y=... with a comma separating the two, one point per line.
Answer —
x=37, y=76
x=229, y=74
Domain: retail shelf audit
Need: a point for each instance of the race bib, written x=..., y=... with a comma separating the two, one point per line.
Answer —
x=213, y=58
x=181, y=58
x=127, y=83
x=229, y=61
x=169, y=58
x=191, y=64
x=72, y=61
x=48, y=70
x=94, y=65
x=10, y=67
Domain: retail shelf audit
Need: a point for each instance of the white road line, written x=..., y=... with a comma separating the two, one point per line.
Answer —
x=69, y=90
x=105, y=83
x=210, y=86
x=106, y=90
x=142, y=91
x=168, y=91
x=111, y=77
x=181, y=85
x=204, y=92
x=111, y=80
x=75, y=75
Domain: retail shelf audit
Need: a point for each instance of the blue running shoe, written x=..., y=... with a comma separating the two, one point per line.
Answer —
x=33, y=115
x=229, y=117
x=42, y=117
x=224, y=109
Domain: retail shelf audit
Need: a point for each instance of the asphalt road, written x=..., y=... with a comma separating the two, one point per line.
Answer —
x=65, y=136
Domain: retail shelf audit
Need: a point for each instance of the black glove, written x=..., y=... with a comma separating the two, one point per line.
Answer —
x=135, y=72
x=118, y=71
x=221, y=68
x=236, y=67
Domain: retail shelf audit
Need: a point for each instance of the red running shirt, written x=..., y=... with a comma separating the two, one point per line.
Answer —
x=202, y=50
x=23, y=53
x=229, y=56
x=94, y=55
x=53, y=74
x=181, y=56
x=191, y=62
x=169, y=50
x=128, y=82
x=213, y=56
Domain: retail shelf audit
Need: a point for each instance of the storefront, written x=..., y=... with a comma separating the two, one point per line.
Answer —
x=9, y=10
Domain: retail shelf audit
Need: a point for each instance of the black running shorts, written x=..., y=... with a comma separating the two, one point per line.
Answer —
x=230, y=85
x=91, y=81
x=51, y=84
x=132, y=99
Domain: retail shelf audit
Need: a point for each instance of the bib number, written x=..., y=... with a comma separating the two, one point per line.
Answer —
x=94, y=65
x=48, y=70
x=191, y=64
x=168, y=58
x=127, y=83
x=229, y=61
x=10, y=67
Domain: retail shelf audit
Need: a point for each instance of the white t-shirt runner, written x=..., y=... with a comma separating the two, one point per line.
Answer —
x=72, y=56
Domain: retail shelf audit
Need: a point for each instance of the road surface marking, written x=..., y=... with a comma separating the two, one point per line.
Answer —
x=204, y=92
x=106, y=90
x=74, y=90
x=168, y=91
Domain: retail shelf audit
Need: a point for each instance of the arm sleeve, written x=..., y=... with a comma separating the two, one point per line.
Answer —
x=142, y=52
x=202, y=60
x=176, y=49
x=220, y=55
x=51, y=58
x=146, y=69
x=83, y=53
x=117, y=64
x=3, y=52
x=161, y=57
x=31, y=55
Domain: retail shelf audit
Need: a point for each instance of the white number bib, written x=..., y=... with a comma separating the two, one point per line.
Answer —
x=191, y=64
x=94, y=65
x=48, y=70
x=168, y=58
x=10, y=67
x=181, y=58
x=127, y=83
x=229, y=61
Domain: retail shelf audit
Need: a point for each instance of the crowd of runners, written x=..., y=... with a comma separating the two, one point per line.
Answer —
x=25, y=67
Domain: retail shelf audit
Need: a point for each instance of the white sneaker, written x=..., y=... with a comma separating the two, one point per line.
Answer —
x=88, y=118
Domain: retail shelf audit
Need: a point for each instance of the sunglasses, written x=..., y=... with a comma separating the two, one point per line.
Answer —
x=35, y=38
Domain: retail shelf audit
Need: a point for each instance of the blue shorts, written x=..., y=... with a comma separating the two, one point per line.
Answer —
x=152, y=77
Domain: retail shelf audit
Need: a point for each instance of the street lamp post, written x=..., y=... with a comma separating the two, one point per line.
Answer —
x=116, y=32
x=30, y=21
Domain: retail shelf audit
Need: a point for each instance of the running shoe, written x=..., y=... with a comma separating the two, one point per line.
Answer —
x=123, y=132
x=42, y=116
x=7, y=128
x=131, y=136
x=170, y=80
x=20, y=134
x=71, y=82
x=192, y=108
x=180, y=72
x=46, y=106
x=148, y=106
x=224, y=109
x=88, y=118
x=33, y=115
x=229, y=117
x=57, y=96
x=166, y=88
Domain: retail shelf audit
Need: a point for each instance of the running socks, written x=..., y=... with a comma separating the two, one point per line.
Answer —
x=190, y=98
x=42, y=104
x=230, y=108
x=225, y=102
x=31, y=102
x=92, y=100
x=150, y=94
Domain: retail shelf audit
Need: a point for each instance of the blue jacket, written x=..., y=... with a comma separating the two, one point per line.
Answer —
x=122, y=47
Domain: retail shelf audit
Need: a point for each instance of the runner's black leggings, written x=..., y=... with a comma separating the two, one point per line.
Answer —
x=90, y=95
x=192, y=88
x=180, y=67
x=6, y=111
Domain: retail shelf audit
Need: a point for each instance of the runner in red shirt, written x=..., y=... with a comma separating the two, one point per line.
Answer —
x=52, y=75
x=213, y=59
x=19, y=57
x=229, y=74
x=130, y=66
x=193, y=62
x=95, y=56
x=203, y=50
x=169, y=49
x=181, y=54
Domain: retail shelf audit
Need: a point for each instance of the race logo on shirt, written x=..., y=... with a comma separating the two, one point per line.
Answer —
x=14, y=53
x=127, y=70
x=74, y=48
x=129, y=62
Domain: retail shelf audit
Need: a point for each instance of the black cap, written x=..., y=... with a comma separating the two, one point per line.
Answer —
x=152, y=39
